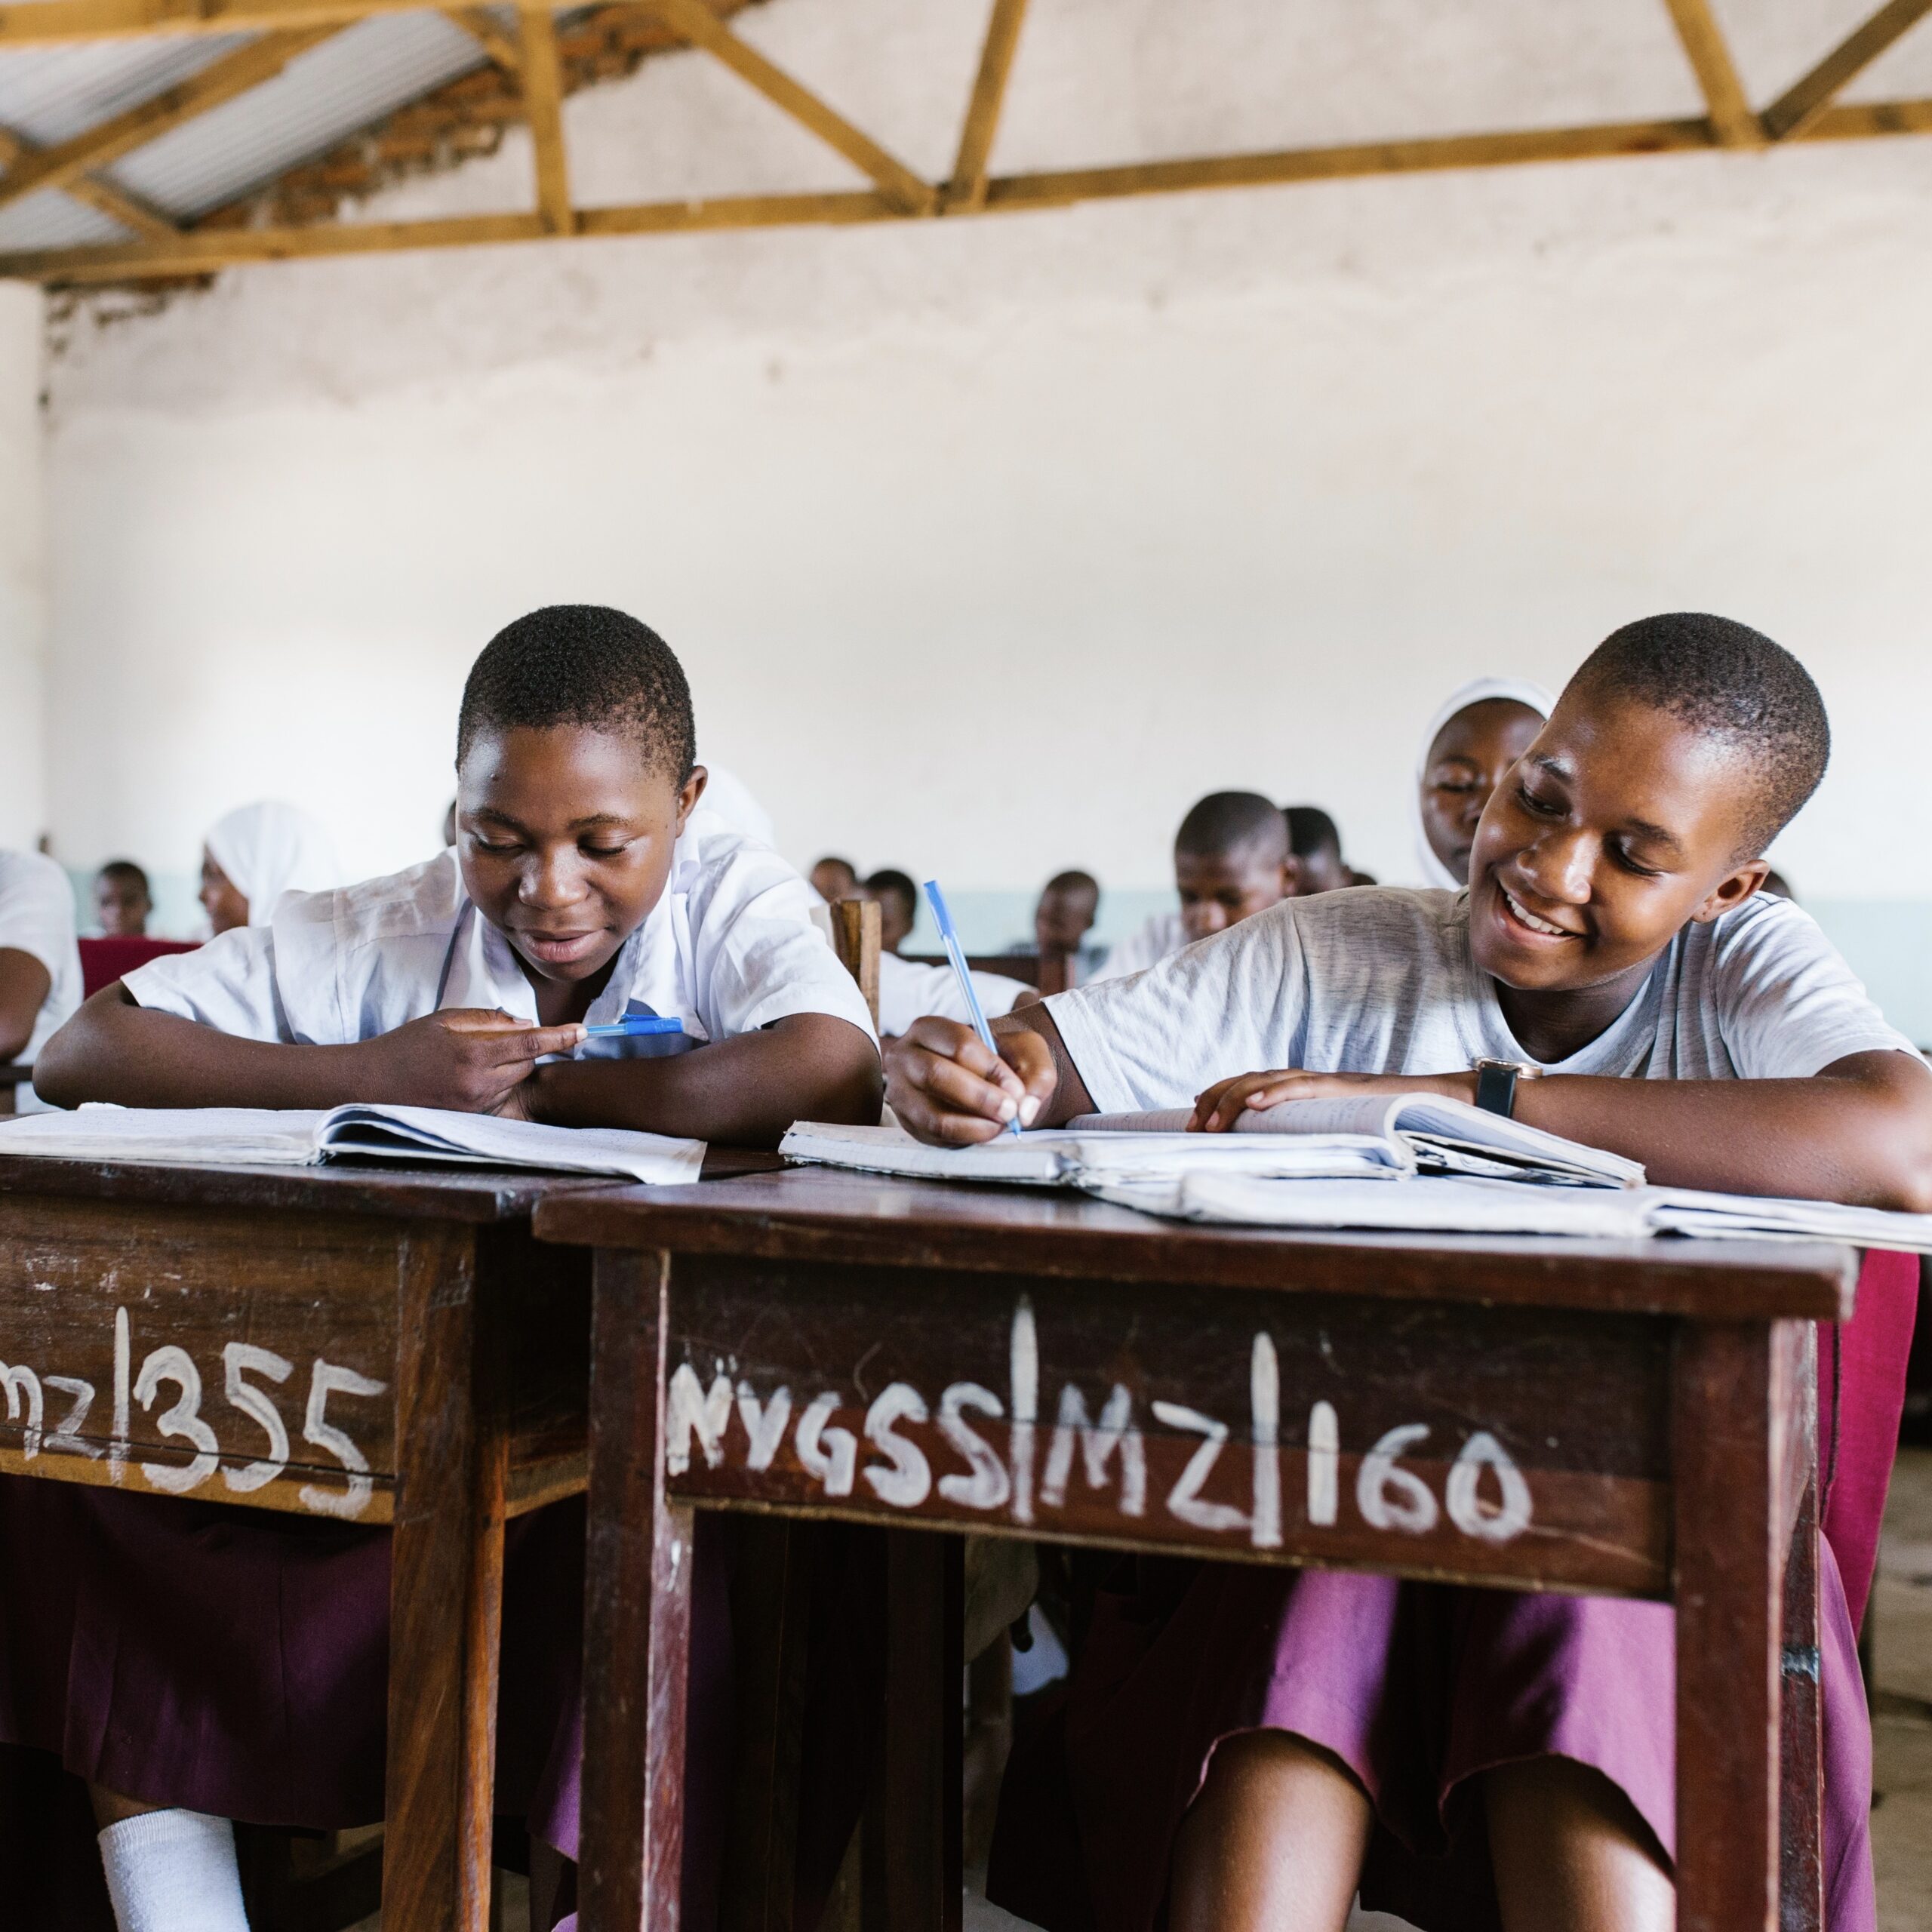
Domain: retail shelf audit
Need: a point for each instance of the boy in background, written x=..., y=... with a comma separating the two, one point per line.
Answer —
x=122, y=903
x=1230, y=861
x=898, y=899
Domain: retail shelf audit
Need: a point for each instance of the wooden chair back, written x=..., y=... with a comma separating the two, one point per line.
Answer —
x=855, y=929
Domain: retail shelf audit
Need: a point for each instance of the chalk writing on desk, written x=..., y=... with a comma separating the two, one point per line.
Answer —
x=248, y=1372
x=1101, y=1441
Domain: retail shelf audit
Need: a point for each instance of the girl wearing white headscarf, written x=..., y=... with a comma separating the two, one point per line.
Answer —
x=255, y=854
x=1480, y=731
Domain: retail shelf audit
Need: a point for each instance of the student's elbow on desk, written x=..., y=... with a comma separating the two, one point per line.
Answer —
x=64, y=1073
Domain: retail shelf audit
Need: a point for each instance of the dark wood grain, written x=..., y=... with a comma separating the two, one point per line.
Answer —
x=1731, y=1392
x=637, y=1618
x=431, y=1576
x=1801, y=1766
x=820, y=1214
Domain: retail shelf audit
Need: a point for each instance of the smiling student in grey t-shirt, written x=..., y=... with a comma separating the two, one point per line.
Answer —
x=1611, y=930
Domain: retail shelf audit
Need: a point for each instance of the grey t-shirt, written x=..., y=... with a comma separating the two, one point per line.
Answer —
x=1380, y=980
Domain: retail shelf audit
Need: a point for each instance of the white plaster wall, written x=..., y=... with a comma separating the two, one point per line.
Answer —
x=991, y=544
x=23, y=567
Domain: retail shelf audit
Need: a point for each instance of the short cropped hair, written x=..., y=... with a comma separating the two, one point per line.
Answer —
x=1081, y=882
x=1227, y=821
x=1723, y=680
x=583, y=664
x=125, y=871
x=1311, y=832
x=895, y=885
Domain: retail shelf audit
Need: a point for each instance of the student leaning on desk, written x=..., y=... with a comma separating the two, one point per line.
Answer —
x=199, y=1663
x=1614, y=974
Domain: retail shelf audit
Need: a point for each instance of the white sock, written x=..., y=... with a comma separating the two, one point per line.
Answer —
x=174, y=1872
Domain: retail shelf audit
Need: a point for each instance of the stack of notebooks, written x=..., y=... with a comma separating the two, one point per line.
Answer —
x=1414, y=1161
x=262, y=1136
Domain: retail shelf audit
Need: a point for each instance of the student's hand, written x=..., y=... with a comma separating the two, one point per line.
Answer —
x=946, y=1088
x=466, y=1059
x=1216, y=1110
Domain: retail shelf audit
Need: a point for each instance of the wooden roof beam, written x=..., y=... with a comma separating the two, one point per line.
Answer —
x=699, y=25
x=543, y=79
x=966, y=190
x=65, y=162
x=1806, y=98
x=505, y=50
x=131, y=211
x=1732, y=121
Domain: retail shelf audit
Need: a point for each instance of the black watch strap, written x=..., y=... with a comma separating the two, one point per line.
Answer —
x=1496, y=1089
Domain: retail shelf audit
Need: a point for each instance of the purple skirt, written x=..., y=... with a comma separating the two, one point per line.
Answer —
x=1418, y=1689
x=236, y=1662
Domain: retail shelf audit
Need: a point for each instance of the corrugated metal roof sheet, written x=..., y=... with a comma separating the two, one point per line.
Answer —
x=354, y=78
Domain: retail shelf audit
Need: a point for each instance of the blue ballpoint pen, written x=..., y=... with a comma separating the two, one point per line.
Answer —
x=634, y=1026
x=950, y=938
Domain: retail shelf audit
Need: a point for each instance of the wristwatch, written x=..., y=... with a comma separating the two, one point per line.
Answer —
x=1496, y=1083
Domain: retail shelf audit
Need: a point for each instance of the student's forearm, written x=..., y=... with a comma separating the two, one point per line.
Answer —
x=741, y=1093
x=24, y=984
x=113, y=1049
x=1069, y=1098
x=1860, y=1132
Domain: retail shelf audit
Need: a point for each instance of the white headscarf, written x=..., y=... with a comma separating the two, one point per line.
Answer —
x=1477, y=690
x=269, y=848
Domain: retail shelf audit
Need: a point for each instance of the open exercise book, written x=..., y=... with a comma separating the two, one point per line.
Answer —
x=264, y=1136
x=1415, y=1162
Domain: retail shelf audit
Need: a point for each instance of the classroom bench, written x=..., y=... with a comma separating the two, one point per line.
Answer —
x=1625, y=1418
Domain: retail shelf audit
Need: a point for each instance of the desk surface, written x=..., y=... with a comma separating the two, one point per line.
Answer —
x=390, y=1189
x=824, y=1215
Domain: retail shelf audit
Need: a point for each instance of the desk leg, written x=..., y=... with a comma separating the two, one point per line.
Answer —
x=911, y=1880
x=1730, y=1587
x=637, y=1617
x=447, y=1550
x=1801, y=1804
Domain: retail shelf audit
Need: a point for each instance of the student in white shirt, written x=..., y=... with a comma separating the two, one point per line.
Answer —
x=253, y=854
x=583, y=887
x=1612, y=961
x=1230, y=861
x=40, y=964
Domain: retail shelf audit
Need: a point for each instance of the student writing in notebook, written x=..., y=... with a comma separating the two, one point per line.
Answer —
x=1230, y=861
x=1238, y=1751
x=234, y=1663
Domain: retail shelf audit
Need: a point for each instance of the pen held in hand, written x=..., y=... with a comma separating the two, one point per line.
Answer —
x=636, y=1026
x=950, y=938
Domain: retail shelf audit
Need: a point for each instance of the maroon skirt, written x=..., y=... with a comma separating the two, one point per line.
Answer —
x=235, y=1662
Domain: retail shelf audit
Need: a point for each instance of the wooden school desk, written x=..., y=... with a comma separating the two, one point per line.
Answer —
x=373, y=1345
x=1625, y=1418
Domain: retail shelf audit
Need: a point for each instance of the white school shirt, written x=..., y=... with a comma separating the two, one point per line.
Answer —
x=907, y=990
x=729, y=948
x=1161, y=938
x=1381, y=980
x=37, y=918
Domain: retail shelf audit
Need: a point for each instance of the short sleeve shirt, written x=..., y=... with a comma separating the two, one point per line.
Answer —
x=37, y=918
x=1382, y=980
x=730, y=947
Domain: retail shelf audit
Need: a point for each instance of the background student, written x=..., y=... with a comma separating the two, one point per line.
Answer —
x=234, y=1661
x=834, y=879
x=1230, y=861
x=1242, y=1748
x=1069, y=904
x=253, y=854
x=1479, y=730
x=40, y=964
x=122, y=902
x=898, y=899
x=1315, y=843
